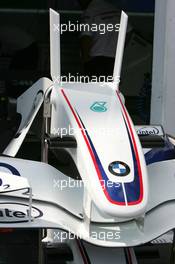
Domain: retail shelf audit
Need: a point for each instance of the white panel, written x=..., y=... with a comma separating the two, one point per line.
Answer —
x=55, y=45
x=120, y=46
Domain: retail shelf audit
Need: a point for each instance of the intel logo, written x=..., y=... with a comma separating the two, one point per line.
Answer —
x=148, y=131
x=17, y=212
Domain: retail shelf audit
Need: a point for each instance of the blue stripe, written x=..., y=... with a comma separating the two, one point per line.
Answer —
x=132, y=188
x=161, y=154
x=12, y=169
x=115, y=191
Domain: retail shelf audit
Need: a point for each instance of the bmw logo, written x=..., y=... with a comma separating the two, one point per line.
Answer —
x=119, y=168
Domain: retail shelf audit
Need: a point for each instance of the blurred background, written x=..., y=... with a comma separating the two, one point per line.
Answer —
x=24, y=57
x=24, y=49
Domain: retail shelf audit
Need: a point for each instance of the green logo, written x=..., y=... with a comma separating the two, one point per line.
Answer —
x=99, y=107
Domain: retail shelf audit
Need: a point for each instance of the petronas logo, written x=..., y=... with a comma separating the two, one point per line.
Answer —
x=99, y=107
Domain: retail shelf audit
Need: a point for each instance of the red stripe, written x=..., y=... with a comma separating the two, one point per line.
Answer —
x=129, y=256
x=136, y=153
x=90, y=151
x=85, y=138
x=85, y=260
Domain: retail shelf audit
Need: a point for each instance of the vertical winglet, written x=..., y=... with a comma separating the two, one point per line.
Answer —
x=120, y=48
x=55, y=61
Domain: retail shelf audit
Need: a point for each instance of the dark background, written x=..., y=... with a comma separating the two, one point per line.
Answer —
x=19, y=69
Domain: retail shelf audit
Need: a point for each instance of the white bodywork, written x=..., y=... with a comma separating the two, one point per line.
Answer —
x=112, y=205
x=28, y=105
x=52, y=196
x=101, y=143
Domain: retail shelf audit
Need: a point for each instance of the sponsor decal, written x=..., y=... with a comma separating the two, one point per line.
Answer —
x=148, y=131
x=17, y=213
x=5, y=167
x=119, y=168
x=99, y=107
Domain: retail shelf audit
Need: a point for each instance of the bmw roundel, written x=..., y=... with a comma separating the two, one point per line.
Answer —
x=119, y=168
